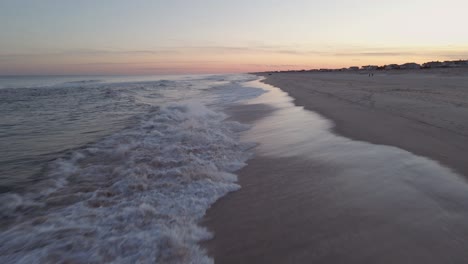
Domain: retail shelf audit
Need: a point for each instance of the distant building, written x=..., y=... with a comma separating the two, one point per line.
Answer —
x=392, y=67
x=370, y=67
x=446, y=64
x=353, y=68
x=433, y=64
x=410, y=66
x=450, y=64
x=461, y=63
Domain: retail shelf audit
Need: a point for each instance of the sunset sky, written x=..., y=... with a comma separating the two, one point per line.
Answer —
x=210, y=36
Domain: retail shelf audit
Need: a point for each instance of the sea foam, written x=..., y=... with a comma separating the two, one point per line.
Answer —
x=134, y=197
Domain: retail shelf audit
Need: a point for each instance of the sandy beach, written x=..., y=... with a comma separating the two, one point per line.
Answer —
x=424, y=111
x=263, y=132
x=377, y=176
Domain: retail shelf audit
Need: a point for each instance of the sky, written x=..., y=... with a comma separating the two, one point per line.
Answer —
x=44, y=37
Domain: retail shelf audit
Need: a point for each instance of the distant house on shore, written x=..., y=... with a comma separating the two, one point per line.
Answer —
x=433, y=64
x=461, y=63
x=370, y=67
x=450, y=64
x=446, y=64
x=410, y=66
x=392, y=67
x=354, y=68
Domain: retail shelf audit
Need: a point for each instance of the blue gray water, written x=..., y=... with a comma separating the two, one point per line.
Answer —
x=42, y=123
x=99, y=169
x=43, y=118
x=122, y=169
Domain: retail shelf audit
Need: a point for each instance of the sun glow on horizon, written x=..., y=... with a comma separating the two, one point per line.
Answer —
x=160, y=37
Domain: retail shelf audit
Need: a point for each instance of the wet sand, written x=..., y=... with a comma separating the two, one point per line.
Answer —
x=310, y=196
x=424, y=112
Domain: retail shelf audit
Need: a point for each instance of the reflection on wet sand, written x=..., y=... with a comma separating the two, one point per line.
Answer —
x=311, y=196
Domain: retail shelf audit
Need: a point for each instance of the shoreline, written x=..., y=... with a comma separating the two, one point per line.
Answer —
x=311, y=196
x=357, y=115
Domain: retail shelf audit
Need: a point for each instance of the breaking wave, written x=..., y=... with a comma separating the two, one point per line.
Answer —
x=135, y=196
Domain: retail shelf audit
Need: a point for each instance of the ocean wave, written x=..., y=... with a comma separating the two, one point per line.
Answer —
x=84, y=81
x=135, y=196
x=224, y=93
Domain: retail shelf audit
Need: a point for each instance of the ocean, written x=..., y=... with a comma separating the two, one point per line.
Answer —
x=115, y=169
x=124, y=169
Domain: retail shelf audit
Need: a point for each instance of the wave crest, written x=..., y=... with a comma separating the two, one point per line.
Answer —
x=135, y=196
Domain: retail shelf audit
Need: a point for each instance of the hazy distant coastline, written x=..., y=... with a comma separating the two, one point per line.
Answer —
x=452, y=64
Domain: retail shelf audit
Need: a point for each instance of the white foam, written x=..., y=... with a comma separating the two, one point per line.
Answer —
x=136, y=196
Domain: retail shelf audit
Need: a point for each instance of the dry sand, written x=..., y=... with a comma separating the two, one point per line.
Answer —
x=424, y=112
x=333, y=200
